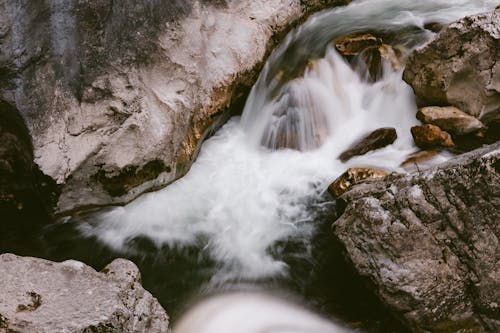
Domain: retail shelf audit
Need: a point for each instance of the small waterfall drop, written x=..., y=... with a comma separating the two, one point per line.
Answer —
x=246, y=192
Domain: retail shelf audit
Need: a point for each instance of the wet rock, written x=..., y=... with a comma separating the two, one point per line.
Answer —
x=434, y=26
x=377, y=139
x=352, y=177
x=37, y=295
x=450, y=119
x=427, y=242
x=392, y=55
x=419, y=157
x=368, y=64
x=460, y=68
x=355, y=44
x=428, y=136
x=118, y=95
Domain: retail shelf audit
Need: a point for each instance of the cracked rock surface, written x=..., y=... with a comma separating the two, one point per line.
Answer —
x=428, y=242
x=38, y=295
x=460, y=67
x=118, y=95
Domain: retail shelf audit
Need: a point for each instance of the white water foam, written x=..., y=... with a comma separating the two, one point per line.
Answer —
x=242, y=198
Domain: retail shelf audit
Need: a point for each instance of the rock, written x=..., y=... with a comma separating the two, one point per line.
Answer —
x=460, y=68
x=118, y=95
x=377, y=139
x=427, y=242
x=419, y=157
x=25, y=193
x=355, y=44
x=428, y=136
x=392, y=55
x=434, y=26
x=352, y=177
x=37, y=295
x=450, y=119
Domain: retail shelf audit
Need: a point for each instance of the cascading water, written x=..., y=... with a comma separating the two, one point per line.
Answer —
x=246, y=192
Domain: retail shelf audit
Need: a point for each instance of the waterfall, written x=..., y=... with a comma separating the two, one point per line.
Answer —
x=253, y=181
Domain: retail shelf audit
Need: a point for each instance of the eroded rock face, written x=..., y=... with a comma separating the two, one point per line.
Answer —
x=428, y=242
x=37, y=295
x=118, y=95
x=460, y=67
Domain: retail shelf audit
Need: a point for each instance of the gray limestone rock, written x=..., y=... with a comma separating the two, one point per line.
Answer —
x=460, y=67
x=428, y=242
x=118, y=95
x=37, y=295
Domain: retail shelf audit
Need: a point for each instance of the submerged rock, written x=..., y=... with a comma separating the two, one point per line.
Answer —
x=429, y=136
x=352, y=177
x=375, y=140
x=450, y=119
x=295, y=124
x=419, y=157
x=460, y=67
x=37, y=295
x=428, y=242
x=118, y=95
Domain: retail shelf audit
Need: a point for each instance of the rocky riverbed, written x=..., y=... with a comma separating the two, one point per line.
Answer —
x=103, y=101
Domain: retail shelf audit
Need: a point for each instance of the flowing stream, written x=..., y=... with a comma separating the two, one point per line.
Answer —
x=247, y=195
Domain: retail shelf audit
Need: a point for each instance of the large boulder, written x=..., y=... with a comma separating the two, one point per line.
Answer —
x=37, y=295
x=118, y=95
x=428, y=242
x=460, y=67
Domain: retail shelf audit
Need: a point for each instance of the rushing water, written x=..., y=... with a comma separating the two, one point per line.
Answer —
x=239, y=197
x=245, y=204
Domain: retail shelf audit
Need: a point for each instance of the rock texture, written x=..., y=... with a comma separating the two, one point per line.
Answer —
x=352, y=177
x=37, y=295
x=450, y=119
x=428, y=242
x=429, y=136
x=118, y=95
x=460, y=67
x=375, y=140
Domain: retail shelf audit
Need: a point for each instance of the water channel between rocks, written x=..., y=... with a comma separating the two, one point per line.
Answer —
x=250, y=215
